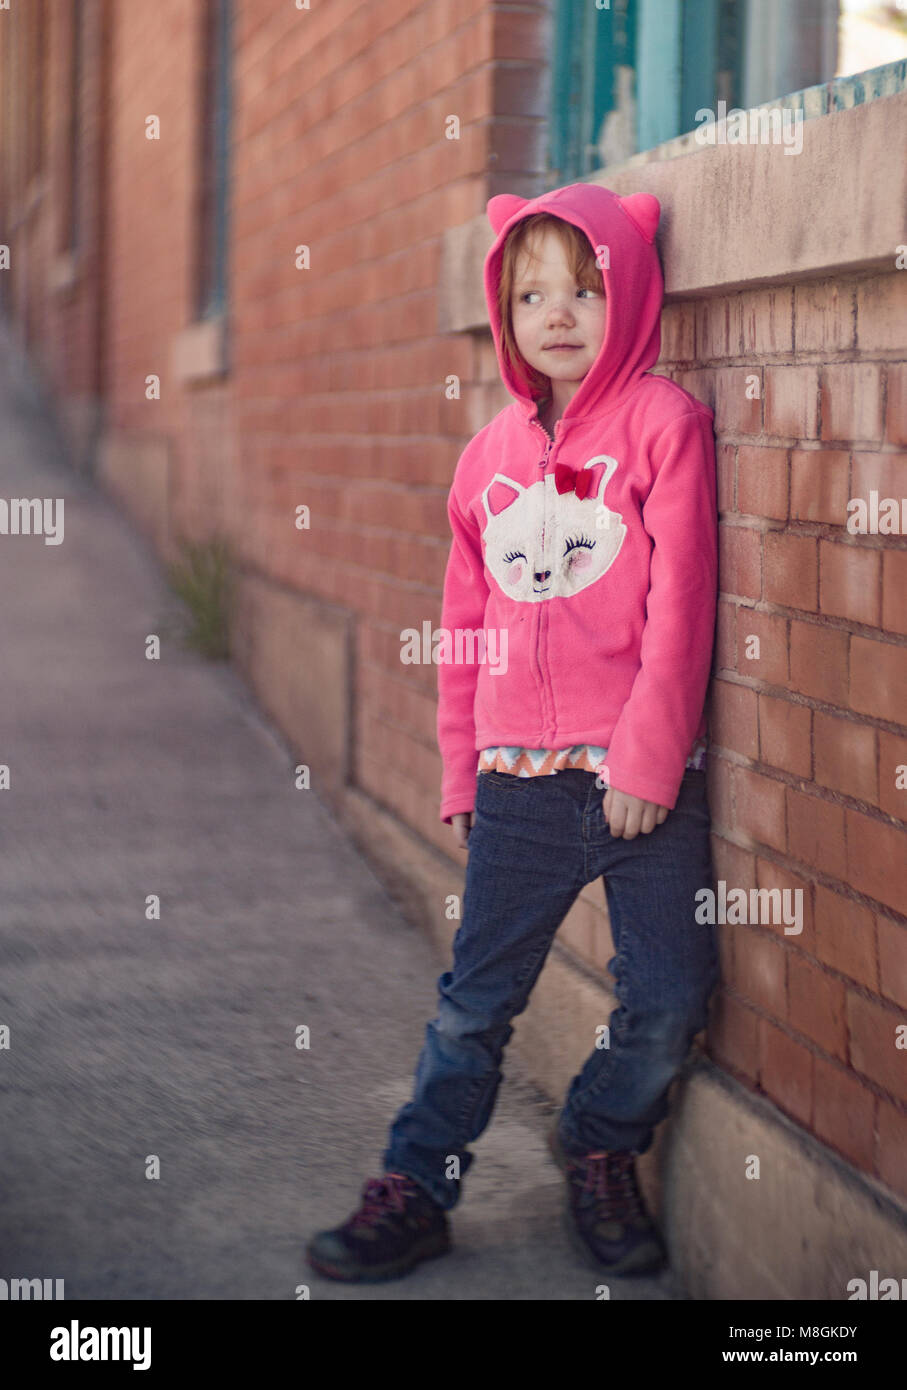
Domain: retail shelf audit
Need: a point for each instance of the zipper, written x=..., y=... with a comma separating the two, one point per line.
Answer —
x=543, y=676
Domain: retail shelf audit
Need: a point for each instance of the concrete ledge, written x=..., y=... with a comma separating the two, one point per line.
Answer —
x=743, y=215
x=136, y=471
x=296, y=654
x=808, y=1225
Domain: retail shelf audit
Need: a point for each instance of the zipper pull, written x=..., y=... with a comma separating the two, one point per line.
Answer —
x=544, y=459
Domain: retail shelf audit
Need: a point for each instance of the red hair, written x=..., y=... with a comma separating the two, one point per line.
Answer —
x=580, y=257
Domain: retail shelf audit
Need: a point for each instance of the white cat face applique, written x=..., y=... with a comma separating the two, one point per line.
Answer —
x=531, y=561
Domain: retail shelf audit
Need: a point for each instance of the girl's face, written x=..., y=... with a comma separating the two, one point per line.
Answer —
x=548, y=308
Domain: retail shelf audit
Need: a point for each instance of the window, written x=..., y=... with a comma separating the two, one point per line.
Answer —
x=71, y=165
x=211, y=245
x=631, y=74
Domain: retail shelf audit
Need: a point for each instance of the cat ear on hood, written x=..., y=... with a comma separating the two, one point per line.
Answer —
x=644, y=210
x=502, y=207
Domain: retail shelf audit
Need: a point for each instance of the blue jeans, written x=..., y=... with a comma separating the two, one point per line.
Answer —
x=535, y=843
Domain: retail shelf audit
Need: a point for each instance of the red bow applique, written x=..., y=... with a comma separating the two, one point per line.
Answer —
x=578, y=480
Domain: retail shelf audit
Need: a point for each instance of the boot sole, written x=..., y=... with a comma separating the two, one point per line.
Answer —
x=628, y=1268
x=428, y=1249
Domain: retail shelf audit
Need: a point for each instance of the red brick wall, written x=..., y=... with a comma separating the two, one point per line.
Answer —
x=340, y=369
x=808, y=737
x=335, y=399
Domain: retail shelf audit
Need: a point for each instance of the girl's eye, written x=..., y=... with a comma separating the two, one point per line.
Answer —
x=514, y=555
x=581, y=289
x=573, y=542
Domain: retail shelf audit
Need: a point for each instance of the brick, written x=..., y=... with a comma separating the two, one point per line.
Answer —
x=873, y=1049
x=677, y=333
x=720, y=327
x=739, y=561
x=819, y=485
x=850, y=582
x=785, y=735
x=760, y=968
x=733, y=1036
x=894, y=589
x=846, y=756
x=892, y=775
x=892, y=960
x=881, y=312
x=762, y=481
x=771, y=645
x=767, y=323
x=824, y=316
x=818, y=662
x=786, y=1072
x=733, y=864
x=878, y=679
x=725, y=657
x=739, y=411
x=815, y=832
x=877, y=863
x=851, y=402
x=846, y=937
x=845, y=1114
x=726, y=965
x=720, y=793
x=732, y=723
x=725, y=461
x=896, y=413
x=816, y=1005
x=797, y=894
x=884, y=473
x=791, y=570
x=791, y=402
x=759, y=808
x=891, y=1146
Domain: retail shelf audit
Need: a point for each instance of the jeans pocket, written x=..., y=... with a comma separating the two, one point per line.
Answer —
x=502, y=781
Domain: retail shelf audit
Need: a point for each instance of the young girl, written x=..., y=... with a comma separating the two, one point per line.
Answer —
x=585, y=546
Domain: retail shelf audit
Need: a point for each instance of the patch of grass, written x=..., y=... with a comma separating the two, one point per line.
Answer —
x=204, y=578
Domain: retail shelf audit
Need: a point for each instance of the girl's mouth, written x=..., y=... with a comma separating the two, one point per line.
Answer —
x=564, y=347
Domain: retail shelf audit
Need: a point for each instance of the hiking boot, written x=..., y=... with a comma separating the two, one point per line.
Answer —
x=606, y=1210
x=397, y=1226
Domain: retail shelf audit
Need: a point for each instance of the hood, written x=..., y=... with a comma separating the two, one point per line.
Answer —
x=634, y=287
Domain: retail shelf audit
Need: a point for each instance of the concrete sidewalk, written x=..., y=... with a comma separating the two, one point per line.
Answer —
x=176, y=1038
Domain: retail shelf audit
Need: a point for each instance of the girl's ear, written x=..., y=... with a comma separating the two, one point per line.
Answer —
x=502, y=207
x=644, y=210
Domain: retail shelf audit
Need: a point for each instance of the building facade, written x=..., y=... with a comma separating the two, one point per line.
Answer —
x=243, y=245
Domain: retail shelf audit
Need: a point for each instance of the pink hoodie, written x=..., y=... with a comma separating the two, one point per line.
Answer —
x=614, y=648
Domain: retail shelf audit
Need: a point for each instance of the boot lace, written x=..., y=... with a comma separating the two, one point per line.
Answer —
x=380, y=1197
x=610, y=1179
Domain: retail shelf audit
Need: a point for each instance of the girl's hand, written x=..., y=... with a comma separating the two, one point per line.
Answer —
x=461, y=825
x=628, y=815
